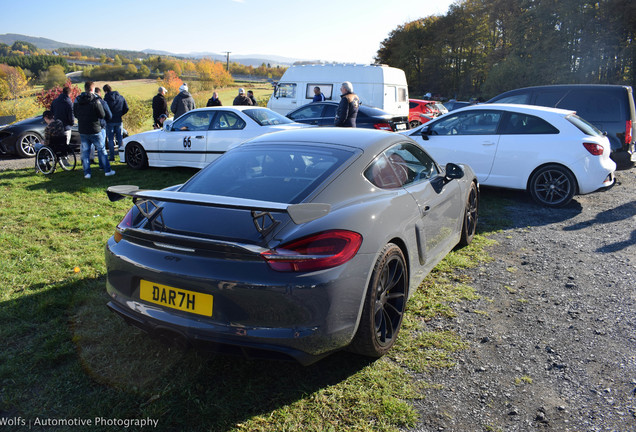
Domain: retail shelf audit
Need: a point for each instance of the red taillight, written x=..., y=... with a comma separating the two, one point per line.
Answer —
x=126, y=222
x=383, y=126
x=316, y=252
x=628, y=132
x=595, y=149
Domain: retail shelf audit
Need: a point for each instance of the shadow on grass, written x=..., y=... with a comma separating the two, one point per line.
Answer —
x=68, y=356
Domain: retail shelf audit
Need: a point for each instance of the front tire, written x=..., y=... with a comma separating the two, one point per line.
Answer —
x=384, y=304
x=45, y=161
x=552, y=186
x=469, y=226
x=26, y=144
x=136, y=157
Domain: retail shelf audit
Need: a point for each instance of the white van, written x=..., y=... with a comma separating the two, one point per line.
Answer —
x=376, y=85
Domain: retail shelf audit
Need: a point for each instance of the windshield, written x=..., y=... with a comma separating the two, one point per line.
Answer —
x=265, y=117
x=279, y=173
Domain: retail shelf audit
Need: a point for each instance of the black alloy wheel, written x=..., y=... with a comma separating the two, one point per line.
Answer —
x=136, y=157
x=471, y=212
x=384, y=306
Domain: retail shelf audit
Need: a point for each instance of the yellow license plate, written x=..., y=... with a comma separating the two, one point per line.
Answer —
x=175, y=298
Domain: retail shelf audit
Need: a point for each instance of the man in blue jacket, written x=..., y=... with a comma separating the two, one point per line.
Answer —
x=118, y=107
x=62, y=109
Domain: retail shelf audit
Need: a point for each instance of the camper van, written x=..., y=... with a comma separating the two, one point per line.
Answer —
x=376, y=85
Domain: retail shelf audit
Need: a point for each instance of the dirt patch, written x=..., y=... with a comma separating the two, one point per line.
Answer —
x=553, y=336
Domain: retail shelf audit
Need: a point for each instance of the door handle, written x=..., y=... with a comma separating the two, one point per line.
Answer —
x=424, y=210
x=199, y=137
x=488, y=143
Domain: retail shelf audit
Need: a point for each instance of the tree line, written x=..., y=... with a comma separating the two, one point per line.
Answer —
x=481, y=48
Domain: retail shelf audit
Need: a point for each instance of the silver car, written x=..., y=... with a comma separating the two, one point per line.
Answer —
x=299, y=243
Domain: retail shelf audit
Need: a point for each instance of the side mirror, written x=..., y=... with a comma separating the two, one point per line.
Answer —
x=167, y=125
x=453, y=171
x=425, y=132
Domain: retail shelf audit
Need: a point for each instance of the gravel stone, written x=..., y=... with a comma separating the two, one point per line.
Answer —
x=554, y=345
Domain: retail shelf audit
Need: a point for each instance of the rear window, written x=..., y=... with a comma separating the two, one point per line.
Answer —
x=284, y=174
x=583, y=125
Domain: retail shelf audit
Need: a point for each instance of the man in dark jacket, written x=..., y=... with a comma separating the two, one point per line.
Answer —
x=183, y=102
x=118, y=107
x=214, y=100
x=241, y=99
x=348, y=107
x=62, y=109
x=89, y=111
x=108, y=115
x=159, y=106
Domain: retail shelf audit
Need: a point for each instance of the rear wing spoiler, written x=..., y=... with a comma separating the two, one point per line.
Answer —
x=299, y=213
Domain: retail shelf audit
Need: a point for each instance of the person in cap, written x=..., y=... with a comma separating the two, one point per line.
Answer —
x=159, y=105
x=183, y=102
x=241, y=99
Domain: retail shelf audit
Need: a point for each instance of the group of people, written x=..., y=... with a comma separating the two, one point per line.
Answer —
x=184, y=102
x=99, y=122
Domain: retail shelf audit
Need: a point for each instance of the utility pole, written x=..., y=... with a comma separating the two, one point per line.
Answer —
x=227, y=62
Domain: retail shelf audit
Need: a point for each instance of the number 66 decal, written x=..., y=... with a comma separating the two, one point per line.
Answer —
x=187, y=142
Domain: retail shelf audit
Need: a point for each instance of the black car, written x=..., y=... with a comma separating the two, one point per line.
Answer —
x=324, y=114
x=22, y=138
x=608, y=107
x=452, y=105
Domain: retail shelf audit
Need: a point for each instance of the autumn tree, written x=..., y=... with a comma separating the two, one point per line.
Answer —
x=13, y=82
x=54, y=77
x=46, y=97
x=171, y=82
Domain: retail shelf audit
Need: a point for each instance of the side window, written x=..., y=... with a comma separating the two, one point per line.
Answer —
x=401, y=165
x=595, y=106
x=523, y=98
x=286, y=90
x=468, y=123
x=524, y=124
x=413, y=105
x=310, y=111
x=330, y=111
x=403, y=94
x=226, y=120
x=326, y=89
x=195, y=121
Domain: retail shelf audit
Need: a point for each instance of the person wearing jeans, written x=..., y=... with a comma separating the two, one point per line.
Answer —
x=89, y=111
x=118, y=107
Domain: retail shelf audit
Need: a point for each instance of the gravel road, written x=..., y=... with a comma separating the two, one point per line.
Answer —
x=553, y=337
x=9, y=162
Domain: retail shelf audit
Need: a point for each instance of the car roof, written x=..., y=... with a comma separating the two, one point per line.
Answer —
x=528, y=109
x=230, y=107
x=363, y=139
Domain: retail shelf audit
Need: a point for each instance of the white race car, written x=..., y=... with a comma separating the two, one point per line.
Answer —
x=199, y=136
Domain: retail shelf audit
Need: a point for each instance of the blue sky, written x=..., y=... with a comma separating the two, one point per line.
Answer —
x=329, y=30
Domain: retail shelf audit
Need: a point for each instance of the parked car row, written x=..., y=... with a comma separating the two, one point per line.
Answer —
x=23, y=138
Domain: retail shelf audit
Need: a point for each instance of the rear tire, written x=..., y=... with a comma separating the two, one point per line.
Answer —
x=384, y=304
x=45, y=161
x=136, y=157
x=414, y=123
x=68, y=161
x=469, y=226
x=552, y=186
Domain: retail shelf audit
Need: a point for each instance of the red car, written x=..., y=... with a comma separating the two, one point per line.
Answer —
x=421, y=111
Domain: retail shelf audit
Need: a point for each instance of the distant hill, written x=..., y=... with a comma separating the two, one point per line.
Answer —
x=42, y=43
x=248, y=60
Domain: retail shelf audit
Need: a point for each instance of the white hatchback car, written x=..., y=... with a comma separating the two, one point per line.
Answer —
x=551, y=153
x=199, y=136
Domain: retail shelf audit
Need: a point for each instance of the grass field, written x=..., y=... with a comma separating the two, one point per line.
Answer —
x=65, y=356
